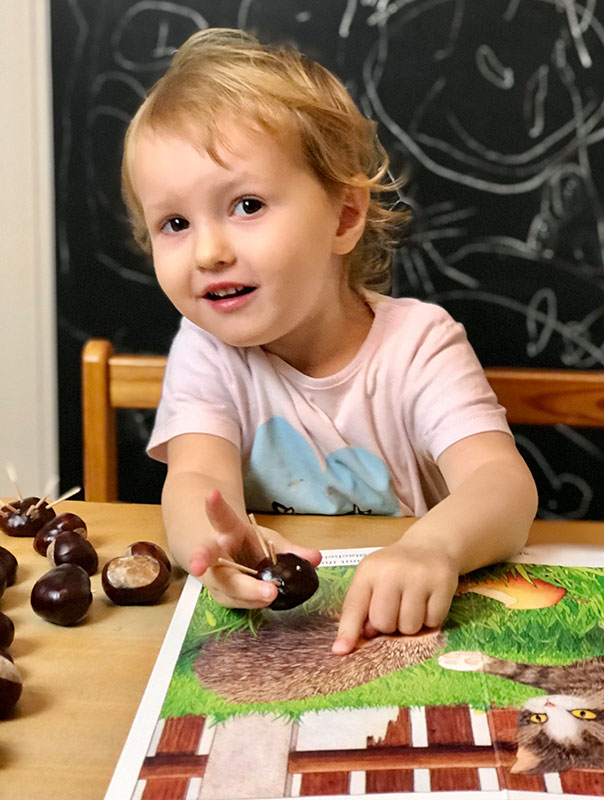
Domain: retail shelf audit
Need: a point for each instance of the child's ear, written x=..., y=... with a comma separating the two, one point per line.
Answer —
x=353, y=205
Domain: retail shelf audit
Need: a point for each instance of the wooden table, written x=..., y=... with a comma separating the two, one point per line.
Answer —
x=82, y=685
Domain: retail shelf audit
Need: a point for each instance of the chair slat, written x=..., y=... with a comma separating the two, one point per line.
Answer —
x=550, y=397
x=110, y=381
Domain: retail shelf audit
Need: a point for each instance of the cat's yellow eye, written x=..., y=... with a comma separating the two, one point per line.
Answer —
x=539, y=718
x=583, y=713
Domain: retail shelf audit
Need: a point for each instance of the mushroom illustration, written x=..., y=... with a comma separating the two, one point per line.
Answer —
x=515, y=591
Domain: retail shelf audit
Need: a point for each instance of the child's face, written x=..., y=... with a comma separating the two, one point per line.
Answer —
x=249, y=251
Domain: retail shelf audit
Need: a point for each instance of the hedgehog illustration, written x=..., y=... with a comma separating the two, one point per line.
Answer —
x=292, y=660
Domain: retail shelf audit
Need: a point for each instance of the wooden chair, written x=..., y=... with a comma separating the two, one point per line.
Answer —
x=111, y=381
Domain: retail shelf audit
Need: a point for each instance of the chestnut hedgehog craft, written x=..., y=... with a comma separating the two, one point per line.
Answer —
x=292, y=660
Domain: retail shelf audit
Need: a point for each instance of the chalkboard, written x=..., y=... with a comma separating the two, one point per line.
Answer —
x=493, y=110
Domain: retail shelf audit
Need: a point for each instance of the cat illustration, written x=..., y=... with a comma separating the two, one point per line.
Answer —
x=558, y=731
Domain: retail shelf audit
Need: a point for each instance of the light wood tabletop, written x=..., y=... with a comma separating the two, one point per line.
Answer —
x=82, y=684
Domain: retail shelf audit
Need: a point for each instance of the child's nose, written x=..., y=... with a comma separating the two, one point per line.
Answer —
x=213, y=249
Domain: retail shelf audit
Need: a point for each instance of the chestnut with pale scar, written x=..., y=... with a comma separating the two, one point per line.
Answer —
x=68, y=547
x=10, y=685
x=135, y=579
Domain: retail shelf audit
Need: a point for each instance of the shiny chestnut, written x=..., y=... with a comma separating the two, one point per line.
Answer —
x=68, y=547
x=295, y=578
x=62, y=595
x=62, y=522
x=19, y=522
x=134, y=579
x=148, y=549
x=8, y=562
x=11, y=686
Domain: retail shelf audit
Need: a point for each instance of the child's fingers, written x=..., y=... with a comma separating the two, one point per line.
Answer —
x=234, y=589
x=412, y=612
x=437, y=608
x=220, y=514
x=283, y=545
x=203, y=558
x=354, y=613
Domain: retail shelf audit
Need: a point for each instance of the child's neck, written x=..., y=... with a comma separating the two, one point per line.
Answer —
x=331, y=345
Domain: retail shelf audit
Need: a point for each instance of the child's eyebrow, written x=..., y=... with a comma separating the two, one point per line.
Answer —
x=234, y=182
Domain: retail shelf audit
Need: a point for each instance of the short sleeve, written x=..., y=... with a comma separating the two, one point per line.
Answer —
x=195, y=393
x=448, y=396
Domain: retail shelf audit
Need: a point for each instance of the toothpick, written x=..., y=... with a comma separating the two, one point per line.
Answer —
x=12, y=476
x=271, y=548
x=12, y=508
x=43, y=499
x=32, y=508
x=226, y=563
x=252, y=519
x=64, y=496
x=50, y=486
x=3, y=514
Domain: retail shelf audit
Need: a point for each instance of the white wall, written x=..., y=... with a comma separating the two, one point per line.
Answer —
x=28, y=427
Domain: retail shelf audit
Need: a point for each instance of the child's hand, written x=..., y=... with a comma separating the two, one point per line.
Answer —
x=235, y=540
x=400, y=587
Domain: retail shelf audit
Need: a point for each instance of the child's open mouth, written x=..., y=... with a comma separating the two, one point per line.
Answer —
x=228, y=292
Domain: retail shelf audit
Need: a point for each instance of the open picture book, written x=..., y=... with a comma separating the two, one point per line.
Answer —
x=505, y=701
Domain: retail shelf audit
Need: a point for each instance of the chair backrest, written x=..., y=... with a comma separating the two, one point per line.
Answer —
x=110, y=381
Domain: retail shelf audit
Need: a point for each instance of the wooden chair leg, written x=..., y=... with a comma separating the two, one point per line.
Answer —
x=99, y=426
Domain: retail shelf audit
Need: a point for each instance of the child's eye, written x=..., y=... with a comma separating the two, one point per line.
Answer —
x=175, y=225
x=247, y=206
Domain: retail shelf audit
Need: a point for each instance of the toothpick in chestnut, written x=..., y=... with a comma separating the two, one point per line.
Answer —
x=295, y=578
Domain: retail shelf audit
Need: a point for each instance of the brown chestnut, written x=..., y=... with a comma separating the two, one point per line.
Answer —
x=3, y=579
x=7, y=631
x=295, y=578
x=9, y=563
x=134, y=580
x=148, y=549
x=62, y=522
x=10, y=686
x=19, y=522
x=62, y=595
x=68, y=547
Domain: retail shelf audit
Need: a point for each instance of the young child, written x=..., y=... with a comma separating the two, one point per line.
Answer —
x=291, y=385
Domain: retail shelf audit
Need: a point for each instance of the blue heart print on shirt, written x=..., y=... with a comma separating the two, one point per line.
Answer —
x=283, y=470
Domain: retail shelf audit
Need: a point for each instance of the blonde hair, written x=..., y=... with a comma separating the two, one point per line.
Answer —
x=221, y=73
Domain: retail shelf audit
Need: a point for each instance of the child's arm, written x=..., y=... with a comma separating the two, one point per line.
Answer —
x=205, y=519
x=485, y=519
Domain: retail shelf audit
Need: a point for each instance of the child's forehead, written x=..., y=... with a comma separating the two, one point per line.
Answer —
x=231, y=140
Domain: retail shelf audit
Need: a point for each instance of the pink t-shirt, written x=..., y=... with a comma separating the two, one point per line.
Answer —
x=364, y=440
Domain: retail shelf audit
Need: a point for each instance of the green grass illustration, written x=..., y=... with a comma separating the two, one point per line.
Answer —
x=572, y=629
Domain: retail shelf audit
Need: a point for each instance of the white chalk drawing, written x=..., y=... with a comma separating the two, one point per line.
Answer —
x=494, y=111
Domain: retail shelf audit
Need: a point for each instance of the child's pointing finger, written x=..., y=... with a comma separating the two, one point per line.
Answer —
x=354, y=613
